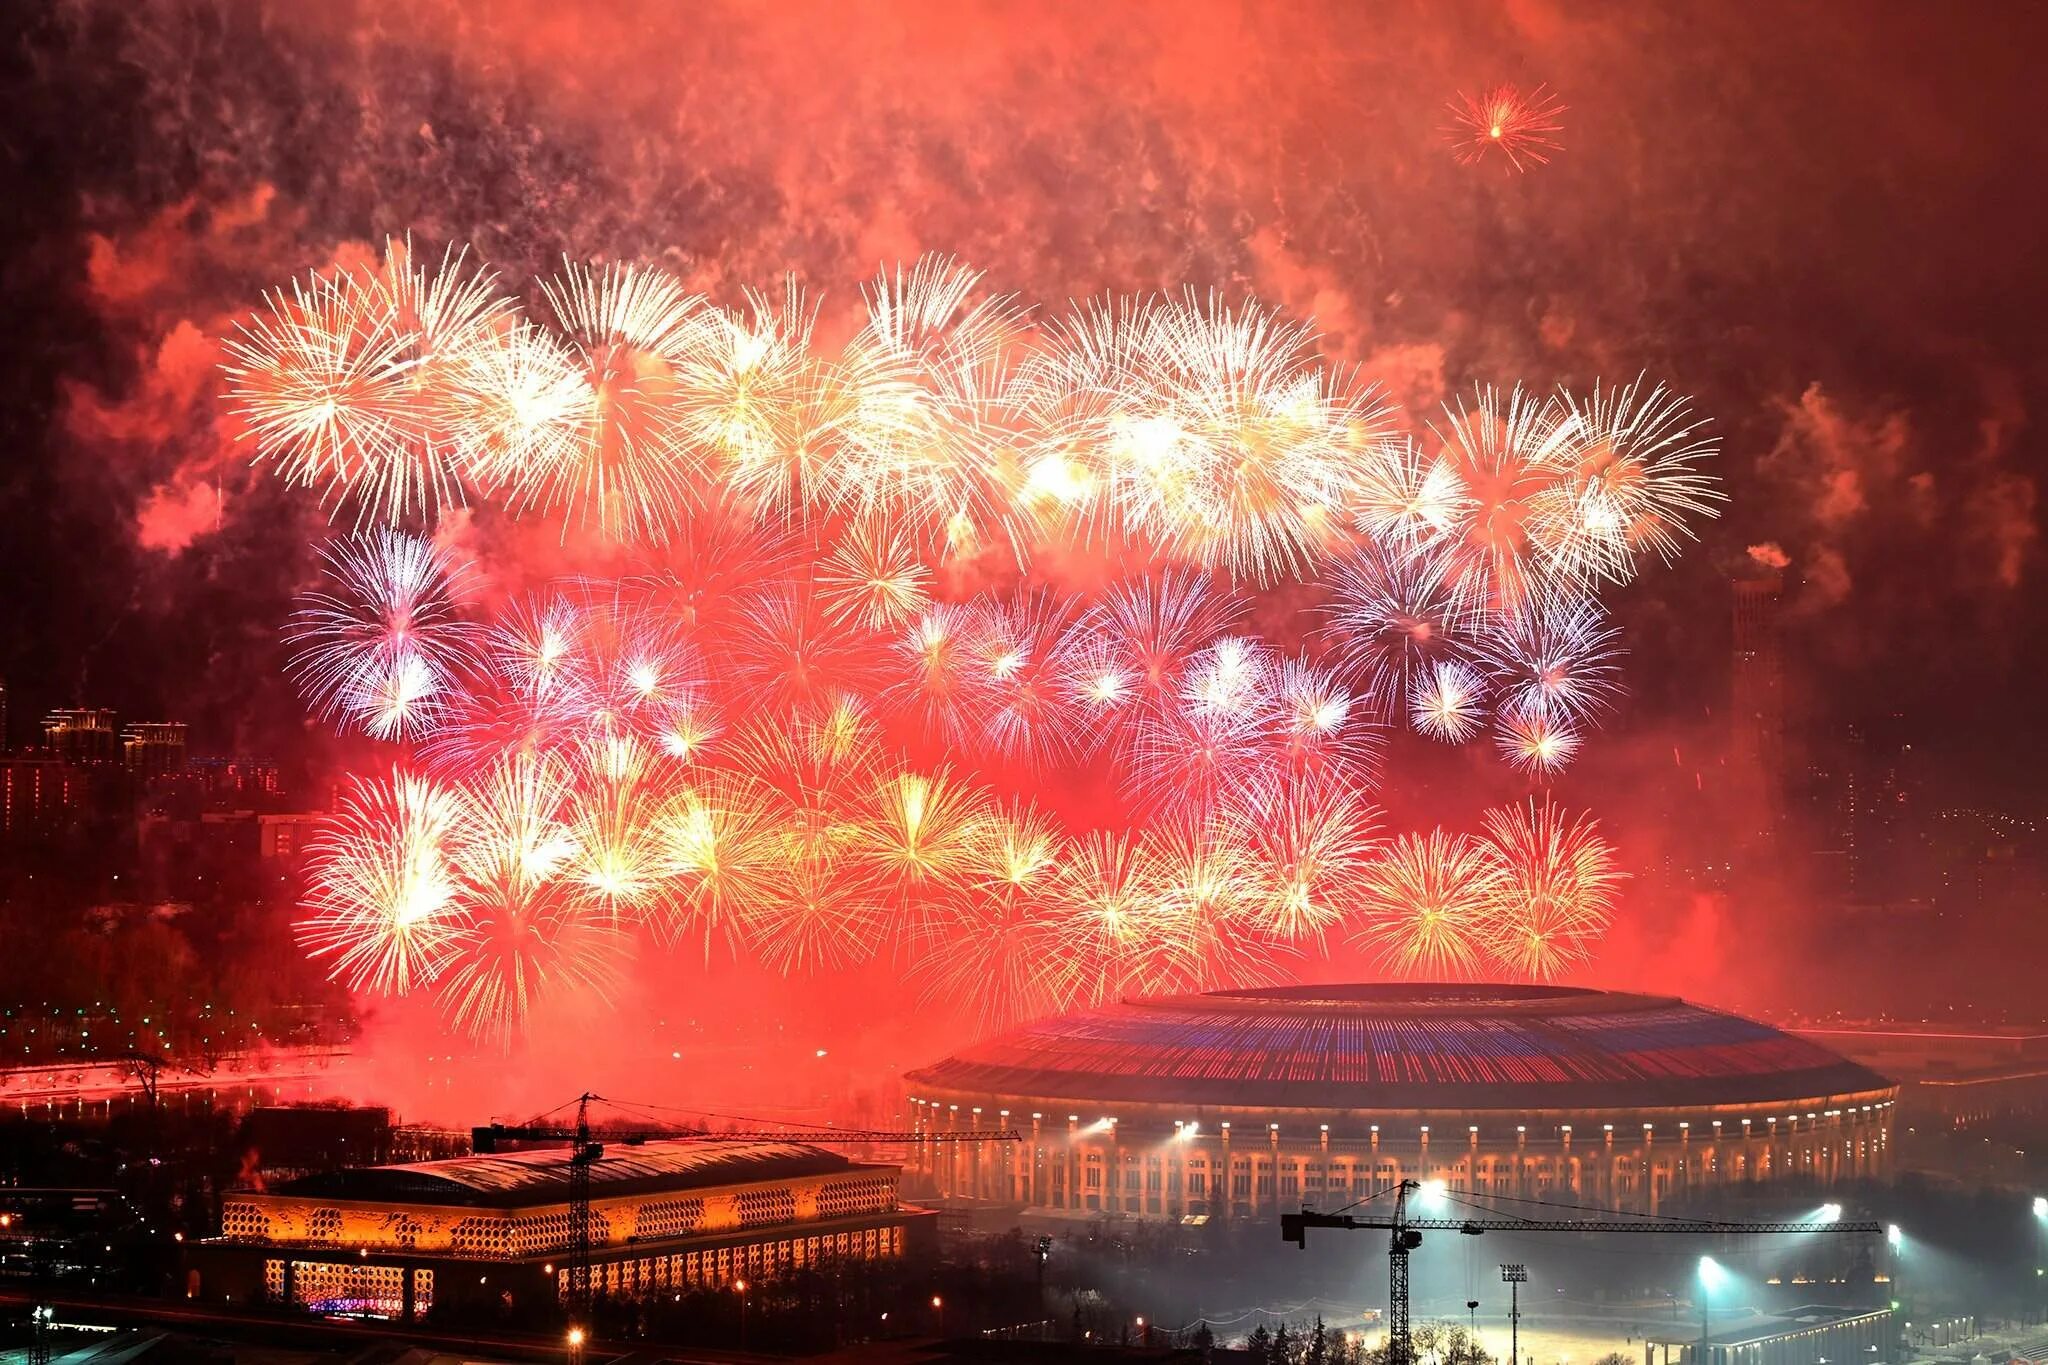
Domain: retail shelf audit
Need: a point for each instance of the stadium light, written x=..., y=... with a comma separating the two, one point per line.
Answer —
x=1712, y=1274
x=2041, y=1206
x=1894, y=1236
x=1436, y=1190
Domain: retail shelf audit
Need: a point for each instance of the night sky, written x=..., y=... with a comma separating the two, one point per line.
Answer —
x=1821, y=221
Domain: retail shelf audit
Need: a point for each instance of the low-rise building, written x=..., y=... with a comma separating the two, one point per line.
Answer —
x=497, y=1230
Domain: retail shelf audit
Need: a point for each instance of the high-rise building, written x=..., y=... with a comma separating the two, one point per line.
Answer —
x=1756, y=711
x=151, y=748
x=36, y=791
x=82, y=735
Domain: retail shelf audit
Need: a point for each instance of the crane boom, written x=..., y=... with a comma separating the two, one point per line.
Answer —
x=485, y=1138
x=1405, y=1235
x=1294, y=1226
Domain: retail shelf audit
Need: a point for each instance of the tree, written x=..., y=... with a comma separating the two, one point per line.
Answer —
x=1616, y=1358
x=1203, y=1339
x=1260, y=1344
x=1318, y=1352
x=1285, y=1345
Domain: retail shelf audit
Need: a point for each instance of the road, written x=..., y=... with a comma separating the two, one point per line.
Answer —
x=207, y=1319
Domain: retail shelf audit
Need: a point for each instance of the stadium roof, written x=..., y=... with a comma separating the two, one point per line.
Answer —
x=1402, y=1047
x=519, y=1179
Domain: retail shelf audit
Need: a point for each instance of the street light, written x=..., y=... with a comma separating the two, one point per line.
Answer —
x=1516, y=1275
x=1712, y=1276
x=740, y=1286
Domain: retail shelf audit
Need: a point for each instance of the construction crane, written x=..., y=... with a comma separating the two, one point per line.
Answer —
x=1405, y=1235
x=586, y=1149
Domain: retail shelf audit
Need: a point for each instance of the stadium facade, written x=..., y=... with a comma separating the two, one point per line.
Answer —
x=666, y=1218
x=1232, y=1104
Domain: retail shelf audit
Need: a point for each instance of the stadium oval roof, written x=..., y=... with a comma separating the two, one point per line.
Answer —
x=1382, y=1047
x=541, y=1176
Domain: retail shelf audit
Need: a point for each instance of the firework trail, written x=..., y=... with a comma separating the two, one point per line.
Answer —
x=865, y=622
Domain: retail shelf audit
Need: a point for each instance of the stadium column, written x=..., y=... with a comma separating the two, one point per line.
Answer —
x=1116, y=1166
x=1032, y=1192
x=977, y=1178
x=1073, y=1193
x=1220, y=1188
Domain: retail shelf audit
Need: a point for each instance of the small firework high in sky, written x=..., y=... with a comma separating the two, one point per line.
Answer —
x=1520, y=128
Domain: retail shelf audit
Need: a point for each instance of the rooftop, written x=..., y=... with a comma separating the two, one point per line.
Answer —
x=1394, y=1046
x=520, y=1179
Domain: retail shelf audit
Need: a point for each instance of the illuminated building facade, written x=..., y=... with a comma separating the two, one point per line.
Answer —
x=152, y=748
x=82, y=735
x=1235, y=1104
x=37, y=791
x=666, y=1218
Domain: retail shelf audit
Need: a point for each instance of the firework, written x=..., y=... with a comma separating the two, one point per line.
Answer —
x=318, y=380
x=622, y=784
x=1535, y=742
x=1556, y=889
x=936, y=657
x=1206, y=900
x=1015, y=680
x=929, y=446
x=1310, y=847
x=1503, y=451
x=1427, y=902
x=1520, y=128
x=867, y=600
x=718, y=851
x=925, y=833
x=1106, y=932
x=383, y=903
x=1555, y=658
x=623, y=467
x=383, y=642
x=792, y=656
x=523, y=930
x=1402, y=497
x=873, y=578
x=1448, y=703
x=1627, y=482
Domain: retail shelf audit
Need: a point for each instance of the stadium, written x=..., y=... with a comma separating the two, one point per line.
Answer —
x=1231, y=1104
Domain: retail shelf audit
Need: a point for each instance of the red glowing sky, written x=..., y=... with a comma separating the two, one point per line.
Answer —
x=1817, y=219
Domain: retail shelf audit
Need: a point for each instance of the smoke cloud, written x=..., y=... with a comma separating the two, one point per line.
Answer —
x=1717, y=219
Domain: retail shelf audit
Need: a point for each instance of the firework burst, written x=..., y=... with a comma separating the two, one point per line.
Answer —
x=1520, y=128
x=383, y=903
x=1555, y=892
x=1427, y=900
x=872, y=606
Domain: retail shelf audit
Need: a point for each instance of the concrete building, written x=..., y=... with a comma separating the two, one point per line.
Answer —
x=666, y=1217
